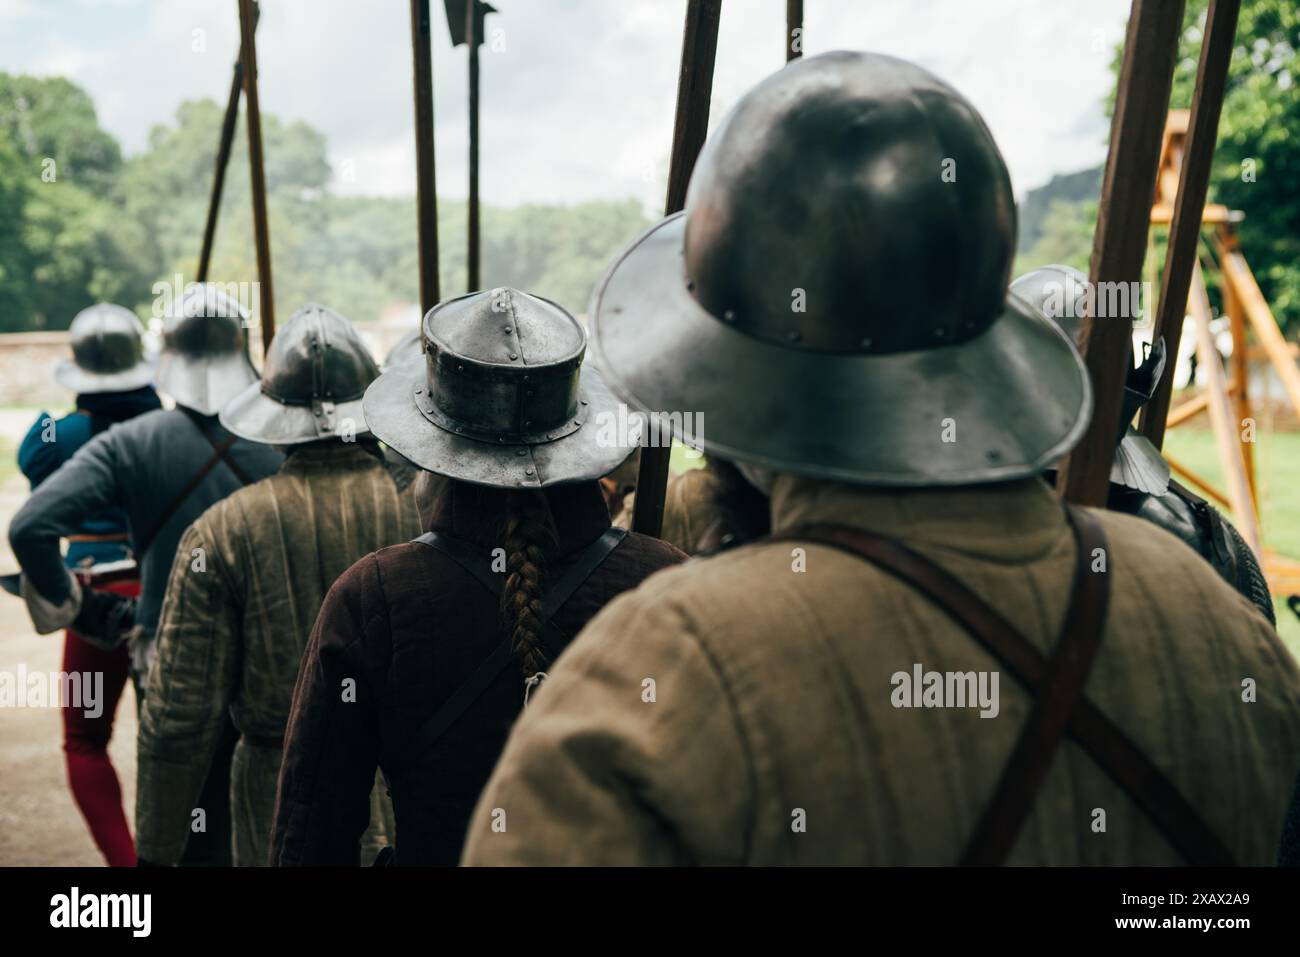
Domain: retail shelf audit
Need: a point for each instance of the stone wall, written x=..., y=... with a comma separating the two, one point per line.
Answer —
x=27, y=361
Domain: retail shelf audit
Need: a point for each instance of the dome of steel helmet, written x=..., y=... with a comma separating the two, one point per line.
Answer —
x=1059, y=293
x=204, y=362
x=833, y=301
x=408, y=348
x=1059, y=296
x=851, y=203
x=315, y=375
x=107, y=352
x=502, y=397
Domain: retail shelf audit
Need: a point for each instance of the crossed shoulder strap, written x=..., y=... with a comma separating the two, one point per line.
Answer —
x=478, y=563
x=220, y=454
x=1057, y=683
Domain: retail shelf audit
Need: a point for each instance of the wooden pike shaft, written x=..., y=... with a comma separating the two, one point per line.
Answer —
x=1189, y=203
x=261, y=227
x=472, y=255
x=793, y=30
x=426, y=196
x=1119, y=243
x=1221, y=418
x=694, y=91
x=219, y=175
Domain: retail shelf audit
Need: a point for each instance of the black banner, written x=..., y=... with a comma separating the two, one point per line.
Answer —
x=210, y=907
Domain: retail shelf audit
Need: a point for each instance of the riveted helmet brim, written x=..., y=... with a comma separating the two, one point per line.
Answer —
x=502, y=398
x=255, y=416
x=1001, y=405
x=392, y=407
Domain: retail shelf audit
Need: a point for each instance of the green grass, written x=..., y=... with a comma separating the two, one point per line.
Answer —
x=1277, y=464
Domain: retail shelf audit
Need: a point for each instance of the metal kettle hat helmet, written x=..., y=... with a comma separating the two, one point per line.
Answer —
x=502, y=397
x=107, y=352
x=406, y=349
x=835, y=291
x=1060, y=295
x=317, y=370
x=204, y=361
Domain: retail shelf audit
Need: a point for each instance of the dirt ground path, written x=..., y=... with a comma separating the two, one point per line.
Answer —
x=39, y=823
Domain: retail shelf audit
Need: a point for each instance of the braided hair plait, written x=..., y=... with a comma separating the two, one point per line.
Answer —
x=530, y=536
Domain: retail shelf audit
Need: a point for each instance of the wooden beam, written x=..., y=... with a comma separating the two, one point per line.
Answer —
x=694, y=92
x=793, y=30
x=1189, y=205
x=1239, y=385
x=1257, y=353
x=1221, y=419
x=1237, y=275
x=1119, y=244
x=426, y=194
x=1162, y=214
x=223, y=160
x=1189, y=409
x=261, y=228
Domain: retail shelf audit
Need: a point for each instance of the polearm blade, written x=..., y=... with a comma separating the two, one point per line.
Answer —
x=793, y=30
x=1120, y=242
x=261, y=228
x=465, y=21
x=694, y=91
x=426, y=196
x=223, y=159
x=1189, y=202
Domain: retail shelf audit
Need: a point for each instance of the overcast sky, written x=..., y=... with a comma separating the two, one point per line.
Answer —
x=577, y=95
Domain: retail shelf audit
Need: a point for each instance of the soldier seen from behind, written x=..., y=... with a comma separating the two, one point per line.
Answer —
x=112, y=380
x=162, y=469
x=249, y=578
x=424, y=653
x=932, y=660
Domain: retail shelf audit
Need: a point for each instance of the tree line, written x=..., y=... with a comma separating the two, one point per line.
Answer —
x=81, y=223
x=1256, y=165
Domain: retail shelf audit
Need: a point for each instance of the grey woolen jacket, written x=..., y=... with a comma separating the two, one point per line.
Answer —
x=140, y=466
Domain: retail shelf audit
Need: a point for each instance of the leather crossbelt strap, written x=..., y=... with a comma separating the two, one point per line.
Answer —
x=173, y=506
x=219, y=450
x=1057, y=696
x=1057, y=685
x=477, y=563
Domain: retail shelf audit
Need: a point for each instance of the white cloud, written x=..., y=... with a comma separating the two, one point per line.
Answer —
x=579, y=103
